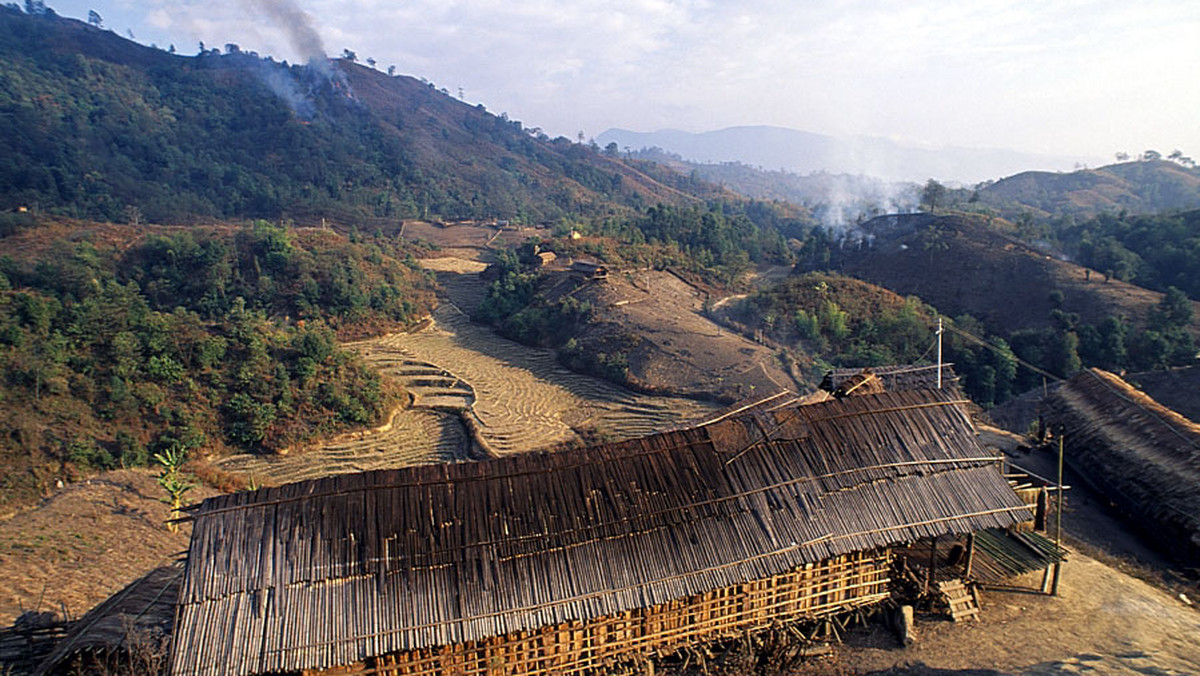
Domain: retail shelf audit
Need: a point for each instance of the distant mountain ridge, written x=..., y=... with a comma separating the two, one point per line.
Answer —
x=805, y=152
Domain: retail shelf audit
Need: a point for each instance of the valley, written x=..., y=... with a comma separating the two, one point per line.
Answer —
x=365, y=378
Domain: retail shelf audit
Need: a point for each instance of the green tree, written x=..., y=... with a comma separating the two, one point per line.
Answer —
x=932, y=195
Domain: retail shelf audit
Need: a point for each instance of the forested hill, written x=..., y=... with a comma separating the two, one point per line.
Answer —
x=96, y=126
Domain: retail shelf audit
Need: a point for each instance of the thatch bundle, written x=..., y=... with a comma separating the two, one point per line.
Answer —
x=1143, y=456
x=332, y=571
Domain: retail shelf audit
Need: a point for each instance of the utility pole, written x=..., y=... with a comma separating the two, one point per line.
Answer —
x=939, y=335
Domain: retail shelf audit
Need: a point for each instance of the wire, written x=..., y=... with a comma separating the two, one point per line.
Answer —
x=1009, y=354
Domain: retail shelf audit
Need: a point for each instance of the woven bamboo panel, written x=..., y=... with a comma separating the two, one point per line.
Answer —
x=808, y=592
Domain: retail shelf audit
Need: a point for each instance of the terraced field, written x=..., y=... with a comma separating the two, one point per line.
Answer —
x=521, y=397
x=413, y=437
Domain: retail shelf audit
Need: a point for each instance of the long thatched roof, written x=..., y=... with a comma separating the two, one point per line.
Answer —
x=332, y=571
x=1140, y=454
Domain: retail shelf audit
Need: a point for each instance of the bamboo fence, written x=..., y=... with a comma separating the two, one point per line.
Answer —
x=809, y=592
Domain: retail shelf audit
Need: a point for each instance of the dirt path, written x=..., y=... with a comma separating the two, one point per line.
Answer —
x=1103, y=622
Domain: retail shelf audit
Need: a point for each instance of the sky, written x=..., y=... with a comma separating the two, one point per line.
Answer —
x=1047, y=76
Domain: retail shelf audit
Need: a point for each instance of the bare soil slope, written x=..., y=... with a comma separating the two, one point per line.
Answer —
x=962, y=265
x=85, y=542
x=657, y=320
x=522, y=396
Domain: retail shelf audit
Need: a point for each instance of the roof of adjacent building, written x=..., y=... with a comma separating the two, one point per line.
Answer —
x=332, y=571
x=1142, y=455
x=142, y=611
x=897, y=378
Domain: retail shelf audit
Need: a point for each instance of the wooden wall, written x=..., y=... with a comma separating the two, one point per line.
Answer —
x=809, y=592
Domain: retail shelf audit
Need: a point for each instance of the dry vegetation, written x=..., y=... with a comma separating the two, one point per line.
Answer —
x=86, y=541
x=966, y=265
x=658, y=319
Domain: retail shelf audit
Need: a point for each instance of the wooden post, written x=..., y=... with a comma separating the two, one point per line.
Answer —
x=970, y=554
x=929, y=579
x=1059, y=507
x=1058, y=517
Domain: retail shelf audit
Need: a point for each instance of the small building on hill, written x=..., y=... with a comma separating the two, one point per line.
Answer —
x=894, y=378
x=570, y=562
x=1139, y=454
x=589, y=270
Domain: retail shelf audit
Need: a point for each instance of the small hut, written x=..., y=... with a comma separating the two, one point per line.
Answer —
x=589, y=270
x=1141, y=455
x=130, y=628
x=571, y=562
x=895, y=378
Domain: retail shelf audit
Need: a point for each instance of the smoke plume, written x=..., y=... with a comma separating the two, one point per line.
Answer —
x=299, y=28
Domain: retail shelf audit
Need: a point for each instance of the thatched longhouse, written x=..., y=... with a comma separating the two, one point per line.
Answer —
x=568, y=562
x=1142, y=456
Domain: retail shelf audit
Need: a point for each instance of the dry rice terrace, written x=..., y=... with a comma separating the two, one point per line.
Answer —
x=521, y=398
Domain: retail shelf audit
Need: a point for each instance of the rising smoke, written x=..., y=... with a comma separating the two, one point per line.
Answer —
x=297, y=25
x=843, y=201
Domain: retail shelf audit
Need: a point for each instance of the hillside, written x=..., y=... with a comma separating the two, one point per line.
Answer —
x=1134, y=187
x=93, y=125
x=964, y=265
x=118, y=342
x=1052, y=313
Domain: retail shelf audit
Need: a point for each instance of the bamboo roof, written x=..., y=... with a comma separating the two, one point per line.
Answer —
x=1142, y=455
x=332, y=571
x=896, y=378
x=145, y=607
x=1001, y=555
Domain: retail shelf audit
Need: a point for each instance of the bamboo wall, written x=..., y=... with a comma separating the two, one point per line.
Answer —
x=808, y=592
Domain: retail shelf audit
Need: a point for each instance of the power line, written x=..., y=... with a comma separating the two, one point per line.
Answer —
x=1008, y=355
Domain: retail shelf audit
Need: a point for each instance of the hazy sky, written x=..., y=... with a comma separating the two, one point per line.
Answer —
x=1078, y=78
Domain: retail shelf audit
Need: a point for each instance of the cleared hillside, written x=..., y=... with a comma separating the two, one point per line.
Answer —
x=964, y=265
x=1136, y=187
